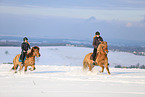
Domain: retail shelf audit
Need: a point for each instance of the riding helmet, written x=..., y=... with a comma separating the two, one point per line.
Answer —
x=25, y=38
x=97, y=33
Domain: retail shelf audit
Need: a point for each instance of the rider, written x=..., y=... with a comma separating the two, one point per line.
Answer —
x=96, y=41
x=24, y=46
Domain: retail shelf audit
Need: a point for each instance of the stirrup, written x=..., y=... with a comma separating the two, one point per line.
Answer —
x=95, y=63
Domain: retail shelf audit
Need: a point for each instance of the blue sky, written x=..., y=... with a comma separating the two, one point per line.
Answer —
x=73, y=19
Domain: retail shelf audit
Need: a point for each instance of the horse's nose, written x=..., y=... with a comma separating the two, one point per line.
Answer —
x=39, y=55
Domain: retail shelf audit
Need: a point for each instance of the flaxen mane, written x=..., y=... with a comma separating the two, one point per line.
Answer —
x=30, y=54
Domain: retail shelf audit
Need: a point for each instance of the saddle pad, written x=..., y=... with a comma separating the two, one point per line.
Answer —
x=21, y=60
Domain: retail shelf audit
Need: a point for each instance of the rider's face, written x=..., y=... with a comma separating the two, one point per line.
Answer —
x=97, y=35
x=26, y=40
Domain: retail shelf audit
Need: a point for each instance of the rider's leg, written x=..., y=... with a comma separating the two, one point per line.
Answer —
x=94, y=55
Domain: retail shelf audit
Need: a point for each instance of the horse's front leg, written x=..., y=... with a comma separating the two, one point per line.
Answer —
x=32, y=67
x=107, y=68
x=106, y=65
x=102, y=69
x=101, y=65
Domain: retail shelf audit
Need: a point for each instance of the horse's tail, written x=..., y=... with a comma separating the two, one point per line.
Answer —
x=86, y=61
x=15, y=62
x=85, y=65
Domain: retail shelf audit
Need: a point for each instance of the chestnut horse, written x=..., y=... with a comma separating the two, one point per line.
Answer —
x=101, y=59
x=29, y=61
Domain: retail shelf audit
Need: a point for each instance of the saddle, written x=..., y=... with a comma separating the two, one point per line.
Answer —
x=20, y=58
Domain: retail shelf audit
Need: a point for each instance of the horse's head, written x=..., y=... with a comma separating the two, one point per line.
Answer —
x=35, y=51
x=103, y=46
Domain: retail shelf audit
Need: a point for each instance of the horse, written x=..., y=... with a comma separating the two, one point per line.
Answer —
x=29, y=61
x=101, y=59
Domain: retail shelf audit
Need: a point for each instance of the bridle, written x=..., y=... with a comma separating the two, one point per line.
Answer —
x=105, y=50
x=37, y=54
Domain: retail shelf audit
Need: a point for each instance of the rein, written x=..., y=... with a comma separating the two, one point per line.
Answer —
x=104, y=50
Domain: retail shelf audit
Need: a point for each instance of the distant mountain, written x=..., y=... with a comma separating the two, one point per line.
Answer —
x=111, y=42
x=91, y=19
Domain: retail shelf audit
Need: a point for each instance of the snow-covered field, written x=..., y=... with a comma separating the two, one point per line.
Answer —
x=59, y=74
x=70, y=56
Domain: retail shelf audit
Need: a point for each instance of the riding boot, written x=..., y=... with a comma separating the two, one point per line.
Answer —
x=94, y=59
x=22, y=61
x=23, y=57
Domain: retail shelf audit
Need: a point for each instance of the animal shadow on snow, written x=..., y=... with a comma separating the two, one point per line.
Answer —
x=49, y=72
x=122, y=73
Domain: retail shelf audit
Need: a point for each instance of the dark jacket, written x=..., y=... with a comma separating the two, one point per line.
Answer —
x=97, y=41
x=25, y=46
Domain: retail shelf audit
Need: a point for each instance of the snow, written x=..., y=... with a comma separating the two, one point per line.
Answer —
x=59, y=74
x=70, y=56
x=71, y=81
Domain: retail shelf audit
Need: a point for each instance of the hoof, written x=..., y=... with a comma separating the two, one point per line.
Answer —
x=101, y=72
x=32, y=69
x=25, y=70
x=109, y=73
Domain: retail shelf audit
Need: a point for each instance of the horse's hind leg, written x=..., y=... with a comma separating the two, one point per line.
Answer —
x=14, y=67
x=90, y=67
x=21, y=67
